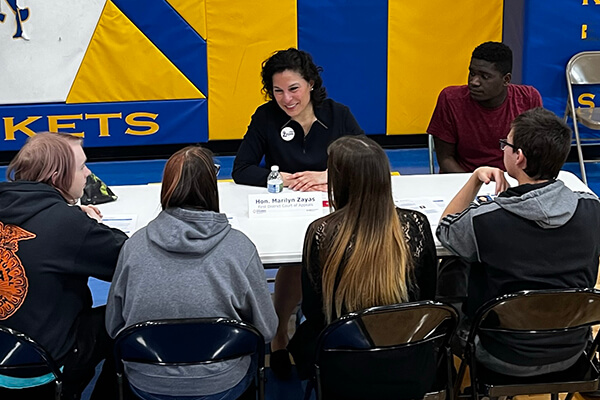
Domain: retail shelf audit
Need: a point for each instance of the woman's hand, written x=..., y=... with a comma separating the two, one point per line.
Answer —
x=307, y=181
x=319, y=188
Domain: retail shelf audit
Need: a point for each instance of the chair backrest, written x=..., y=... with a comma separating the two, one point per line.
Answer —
x=383, y=352
x=188, y=341
x=23, y=357
x=584, y=68
x=541, y=310
x=544, y=325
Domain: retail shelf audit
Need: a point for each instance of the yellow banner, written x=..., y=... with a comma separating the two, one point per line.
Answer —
x=241, y=35
x=429, y=48
x=194, y=12
x=122, y=64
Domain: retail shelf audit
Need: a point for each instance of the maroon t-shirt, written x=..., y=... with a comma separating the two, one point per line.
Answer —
x=474, y=129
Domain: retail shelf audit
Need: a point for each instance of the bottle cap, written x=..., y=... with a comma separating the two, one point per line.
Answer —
x=274, y=167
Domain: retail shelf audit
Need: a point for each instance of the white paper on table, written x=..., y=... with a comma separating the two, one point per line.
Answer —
x=432, y=207
x=125, y=222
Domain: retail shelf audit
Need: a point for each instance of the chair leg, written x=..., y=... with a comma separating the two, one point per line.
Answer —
x=553, y=396
x=579, y=151
x=459, y=378
x=261, y=384
x=120, y=386
x=58, y=391
x=309, y=389
x=449, y=369
x=318, y=388
x=430, y=146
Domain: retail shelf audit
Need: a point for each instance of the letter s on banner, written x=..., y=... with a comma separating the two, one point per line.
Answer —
x=133, y=121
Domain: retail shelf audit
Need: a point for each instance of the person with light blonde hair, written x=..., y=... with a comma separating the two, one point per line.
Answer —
x=366, y=252
x=49, y=247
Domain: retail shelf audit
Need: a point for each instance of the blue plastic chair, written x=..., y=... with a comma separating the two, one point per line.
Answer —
x=189, y=342
x=399, y=351
x=23, y=357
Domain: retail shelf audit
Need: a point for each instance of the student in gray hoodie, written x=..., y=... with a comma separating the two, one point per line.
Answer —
x=187, y=263
x=537, y=235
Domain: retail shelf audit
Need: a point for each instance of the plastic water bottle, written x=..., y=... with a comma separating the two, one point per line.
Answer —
x=274, y=181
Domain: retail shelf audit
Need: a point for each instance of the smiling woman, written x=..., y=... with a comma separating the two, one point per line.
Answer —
x=292, y=94
x=293, y=129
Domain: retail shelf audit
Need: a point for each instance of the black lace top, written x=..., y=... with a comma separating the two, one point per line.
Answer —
x=419, y=238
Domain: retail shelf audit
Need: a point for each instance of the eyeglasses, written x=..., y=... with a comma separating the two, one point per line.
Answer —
x=217, y=169
x=504, y=143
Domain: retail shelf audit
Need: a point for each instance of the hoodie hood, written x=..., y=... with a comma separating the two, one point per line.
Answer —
x=549, y=205
x=20, y=200
x=196, y=232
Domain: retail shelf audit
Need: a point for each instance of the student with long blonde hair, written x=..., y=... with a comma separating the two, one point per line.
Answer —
x=366, y=252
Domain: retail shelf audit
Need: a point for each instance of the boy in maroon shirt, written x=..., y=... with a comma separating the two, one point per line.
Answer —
x=469, y=120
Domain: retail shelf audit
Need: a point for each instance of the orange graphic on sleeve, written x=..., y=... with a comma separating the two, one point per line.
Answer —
x=13, y=281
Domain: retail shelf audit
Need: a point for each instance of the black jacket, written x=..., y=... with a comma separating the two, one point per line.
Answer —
x=48, y=250
x=531, y=237
x=300, y=153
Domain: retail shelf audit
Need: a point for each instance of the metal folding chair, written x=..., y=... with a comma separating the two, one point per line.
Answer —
x=189, y=342
x=526, y=322
x=398, y=351
x=23, y=357
x=431, y=149
x=582, y=69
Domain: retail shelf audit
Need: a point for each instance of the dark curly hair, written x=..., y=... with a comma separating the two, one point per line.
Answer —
x=496, y=53
x=294, y=60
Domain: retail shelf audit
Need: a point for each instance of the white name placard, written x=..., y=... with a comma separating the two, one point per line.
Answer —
x=292, y=204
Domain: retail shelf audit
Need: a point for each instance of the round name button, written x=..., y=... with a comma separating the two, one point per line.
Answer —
x=287, y=133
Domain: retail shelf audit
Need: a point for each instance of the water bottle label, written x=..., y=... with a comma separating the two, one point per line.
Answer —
x=275, y=187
